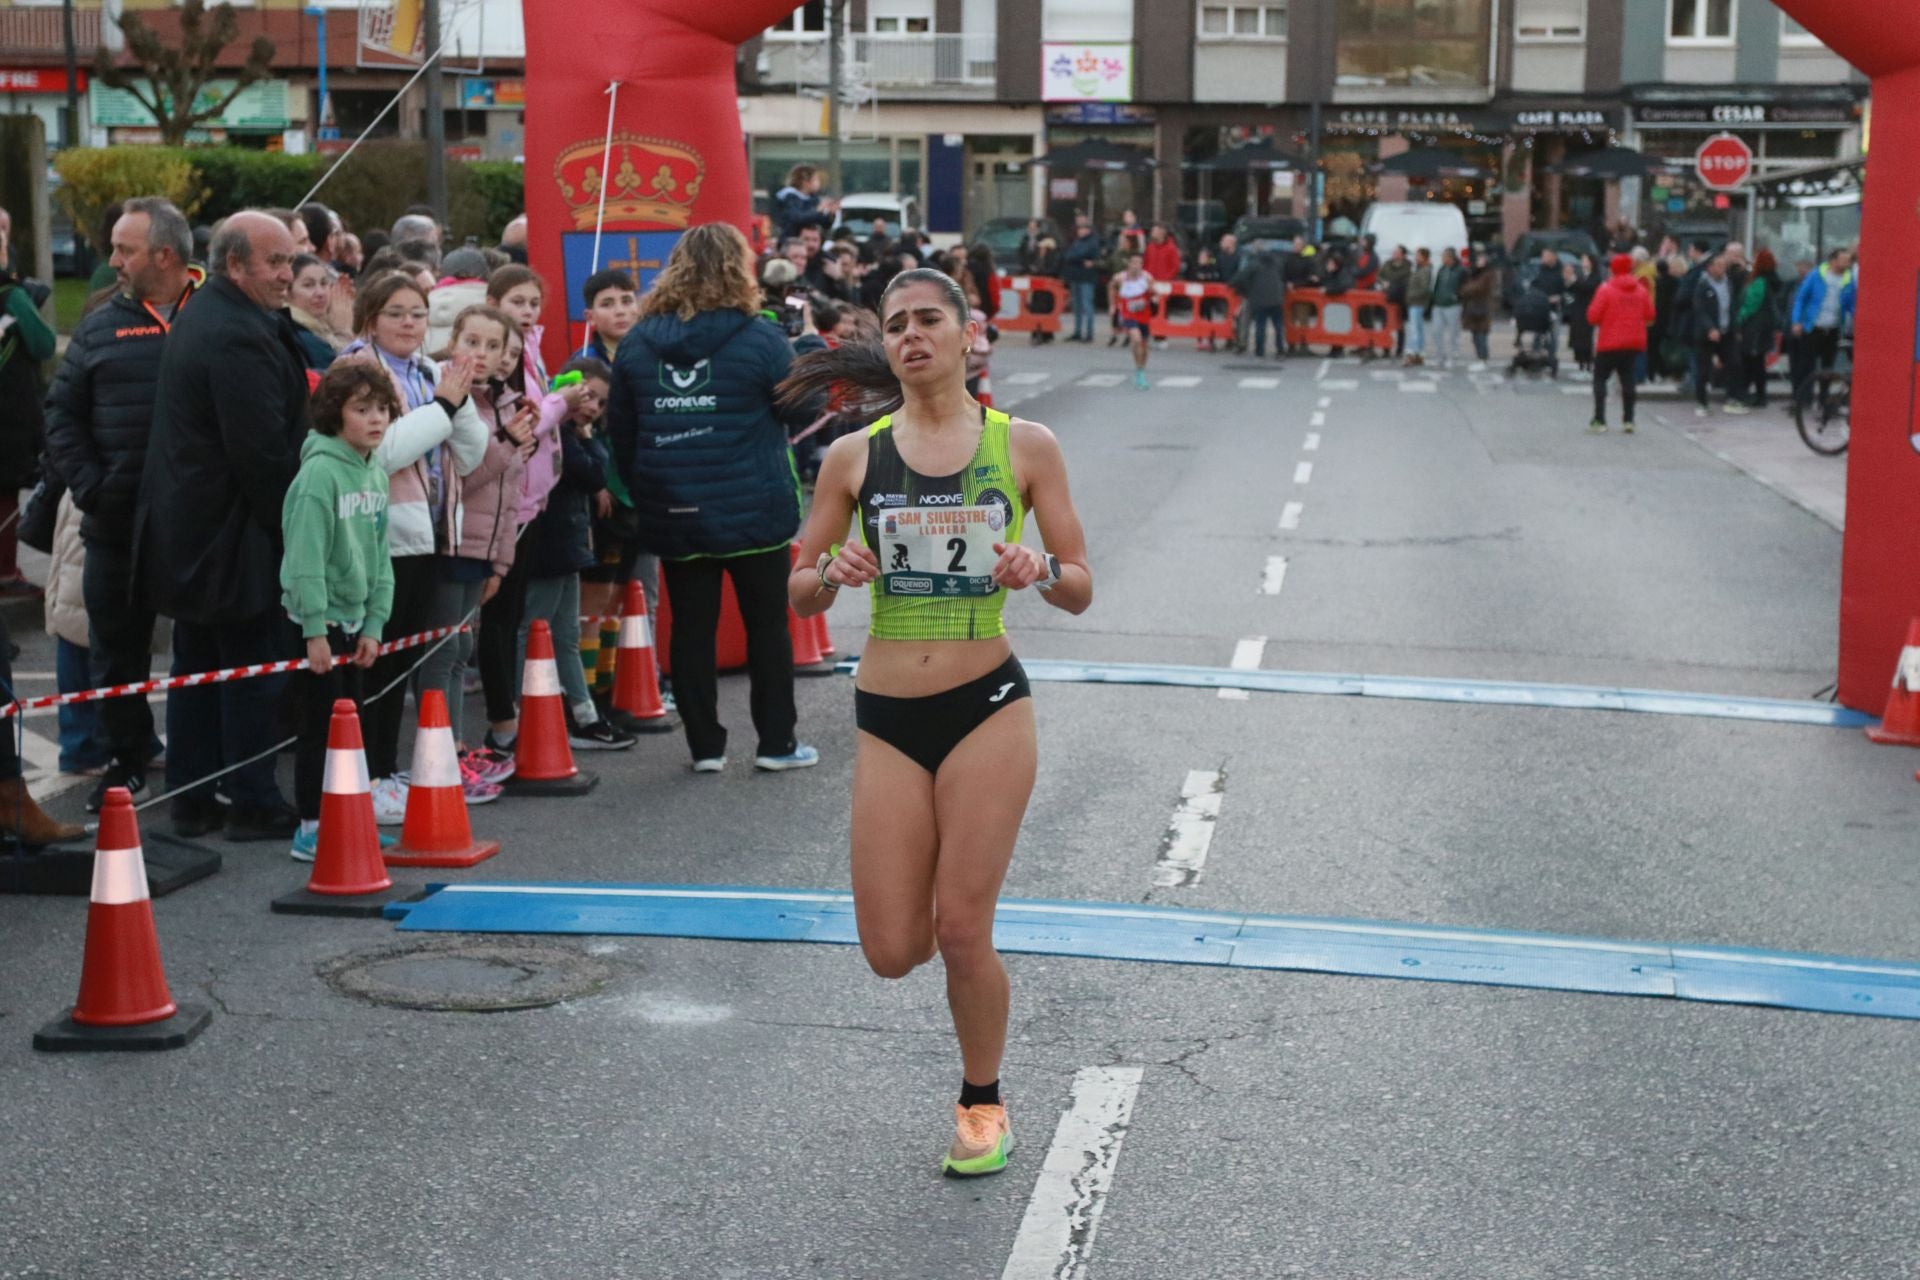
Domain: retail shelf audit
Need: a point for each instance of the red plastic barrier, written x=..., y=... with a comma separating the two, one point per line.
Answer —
x=1358, y=320
x=1199, y=311
x=1031, y=304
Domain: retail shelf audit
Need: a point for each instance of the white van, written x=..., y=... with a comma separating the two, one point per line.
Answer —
x=1418, y=224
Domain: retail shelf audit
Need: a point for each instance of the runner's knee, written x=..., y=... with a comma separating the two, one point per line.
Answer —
x=897, y=957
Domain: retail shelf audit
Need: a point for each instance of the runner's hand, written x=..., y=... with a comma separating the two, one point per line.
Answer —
x=1019, y=566
x=855, y=566
x=319, y=655
x=366, y=651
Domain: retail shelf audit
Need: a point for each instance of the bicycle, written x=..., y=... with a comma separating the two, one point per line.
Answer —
x=1822, y=409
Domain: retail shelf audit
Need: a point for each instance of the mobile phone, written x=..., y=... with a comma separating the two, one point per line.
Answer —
x=796, y=316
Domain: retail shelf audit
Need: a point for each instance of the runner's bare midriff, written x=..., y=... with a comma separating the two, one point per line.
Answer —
x=918, y=668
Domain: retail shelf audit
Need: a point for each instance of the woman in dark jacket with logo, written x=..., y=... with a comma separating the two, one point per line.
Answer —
x=704, y=453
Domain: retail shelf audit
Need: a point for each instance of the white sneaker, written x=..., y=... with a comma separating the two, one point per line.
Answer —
x=712, y=764
x=389, y=802
x=1735, y=408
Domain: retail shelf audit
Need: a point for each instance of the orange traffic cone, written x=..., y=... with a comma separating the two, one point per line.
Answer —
x=436, y=832
x=636, y=681
x=124, y=1002
x=542, y=760
x=1900, y=722
x=348, y=879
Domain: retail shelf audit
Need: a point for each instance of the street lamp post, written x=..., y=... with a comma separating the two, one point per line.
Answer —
x=320, y=129
x=436, y=114
x=70, y=115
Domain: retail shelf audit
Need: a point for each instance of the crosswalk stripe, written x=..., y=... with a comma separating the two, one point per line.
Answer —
x=1259, y=384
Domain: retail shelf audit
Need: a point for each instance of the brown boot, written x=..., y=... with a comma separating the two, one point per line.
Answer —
x=21, y=817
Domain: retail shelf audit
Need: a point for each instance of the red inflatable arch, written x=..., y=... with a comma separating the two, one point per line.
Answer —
x=674, y=153
x=1880, y=569
x=676, y=157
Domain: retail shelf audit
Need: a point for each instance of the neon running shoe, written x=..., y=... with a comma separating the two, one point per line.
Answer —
x=982, y=1140
x=491, y=765
x=476, y=788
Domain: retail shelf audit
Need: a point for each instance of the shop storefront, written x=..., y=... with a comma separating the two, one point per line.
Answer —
x=40, y=91
x=1788, y=128
x=1805, y=214
x=267, y=113
x=1109, y=192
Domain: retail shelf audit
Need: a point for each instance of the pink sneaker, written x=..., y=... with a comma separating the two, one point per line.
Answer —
x=476, y=788
x=492, y=766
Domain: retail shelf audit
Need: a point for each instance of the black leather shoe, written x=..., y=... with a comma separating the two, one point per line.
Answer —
x=247, y=823
x=198, y=818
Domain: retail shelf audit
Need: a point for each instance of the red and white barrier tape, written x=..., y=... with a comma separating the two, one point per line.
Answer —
x=28, y=706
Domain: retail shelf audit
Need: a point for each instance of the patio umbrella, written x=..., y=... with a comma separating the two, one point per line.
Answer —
x=1609, y=164
x=1259, y=156
x=1424, y=163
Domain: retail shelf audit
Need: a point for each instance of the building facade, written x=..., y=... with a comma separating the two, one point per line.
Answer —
x=951, y=101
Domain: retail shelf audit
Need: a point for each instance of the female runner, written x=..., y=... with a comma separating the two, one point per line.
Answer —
x=946, y=753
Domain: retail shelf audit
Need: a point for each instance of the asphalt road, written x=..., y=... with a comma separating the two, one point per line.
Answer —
x=718, y=1109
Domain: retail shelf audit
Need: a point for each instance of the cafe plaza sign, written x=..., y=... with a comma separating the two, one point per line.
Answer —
x=1445, y=120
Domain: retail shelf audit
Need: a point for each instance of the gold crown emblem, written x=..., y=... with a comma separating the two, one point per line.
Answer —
x=651, y=180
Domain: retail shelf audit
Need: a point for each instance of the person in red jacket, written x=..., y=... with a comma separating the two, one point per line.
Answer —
x=1620, y=312
x=1162, y=254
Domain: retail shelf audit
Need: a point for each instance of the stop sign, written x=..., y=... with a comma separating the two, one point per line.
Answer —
x=1723, y=161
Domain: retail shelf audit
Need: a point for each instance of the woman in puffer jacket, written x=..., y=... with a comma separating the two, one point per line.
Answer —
x=427, y=452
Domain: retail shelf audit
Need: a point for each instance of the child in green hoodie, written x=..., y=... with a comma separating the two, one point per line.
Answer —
x=337, y=576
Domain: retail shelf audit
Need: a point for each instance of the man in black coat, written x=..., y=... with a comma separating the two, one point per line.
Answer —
x=1712, y=315
x=99, y=416
x=229, y=415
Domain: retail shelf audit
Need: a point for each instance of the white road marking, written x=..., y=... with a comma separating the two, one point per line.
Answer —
x=1321, y=372
x=1340, y=384
x=1246, y=657
x=1419, y=386
x=1576, y=391
x=1290, y=515
x=1183, y=850
x=1275, y=576
x=1259, y=384
x=1102, y=380
x=1027, y=379
x=1179, y=380
x=1319, y=419
x=1302, y=472
x=1056, y=1236
x=1326, y=402
x=1387, y=375
x=1312, y=442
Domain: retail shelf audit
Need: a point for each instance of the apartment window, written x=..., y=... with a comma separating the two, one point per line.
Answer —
x=1245, y=21
x=1430, y=43
x=1700, y=20
x=1550, y=19
x=1087, y=19
x=810, y=19
x=1795, y=36
x=900, y=17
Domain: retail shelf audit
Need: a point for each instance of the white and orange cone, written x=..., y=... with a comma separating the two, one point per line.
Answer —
x=542, y=759
x=349, y=878
x=436, y=832
x=636, y=680
x=124, y=1001
x=1900, y=721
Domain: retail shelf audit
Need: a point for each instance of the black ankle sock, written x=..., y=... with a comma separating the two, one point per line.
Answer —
x=978, y=1095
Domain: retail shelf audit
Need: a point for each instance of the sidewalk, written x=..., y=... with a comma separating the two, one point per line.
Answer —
x=1765, y=445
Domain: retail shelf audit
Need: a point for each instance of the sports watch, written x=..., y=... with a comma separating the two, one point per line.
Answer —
x=1053, y=573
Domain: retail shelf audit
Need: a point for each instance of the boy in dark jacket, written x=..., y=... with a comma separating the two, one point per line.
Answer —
x=559, y=544
x=336, y=579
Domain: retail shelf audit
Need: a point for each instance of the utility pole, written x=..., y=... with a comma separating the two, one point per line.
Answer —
x=70, y=116
x=1323, y=20
x=436, y=113
x=836, y=59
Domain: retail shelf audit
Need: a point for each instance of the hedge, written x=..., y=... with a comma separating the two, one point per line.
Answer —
x=369, y=191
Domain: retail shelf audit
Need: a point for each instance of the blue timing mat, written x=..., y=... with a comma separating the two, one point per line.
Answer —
x=1169, y=935
x=1504, y=693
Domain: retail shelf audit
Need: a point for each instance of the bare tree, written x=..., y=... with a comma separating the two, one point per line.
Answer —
x=167, y=78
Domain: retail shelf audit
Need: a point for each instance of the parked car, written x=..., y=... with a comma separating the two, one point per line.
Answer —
x=1566, y=243
x=1256, y=234
x=1432, y=225
x=1003, y=237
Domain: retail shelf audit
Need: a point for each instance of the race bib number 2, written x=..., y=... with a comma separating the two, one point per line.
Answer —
x=940, y=551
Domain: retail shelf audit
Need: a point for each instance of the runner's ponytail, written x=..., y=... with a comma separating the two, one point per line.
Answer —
x=854, y=375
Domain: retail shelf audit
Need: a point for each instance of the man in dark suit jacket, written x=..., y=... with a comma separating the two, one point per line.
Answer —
x=229, y=416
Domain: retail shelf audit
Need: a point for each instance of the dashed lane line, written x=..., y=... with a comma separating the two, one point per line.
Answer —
x=1259, y=384
x=1183, y=850
x=1302, y=472
x=1326, y=402
x=1319, y=418
x=1275, y=577
x=1056, y=1236
x=1290, y=515
x=1246, y=657
x=1312, y=441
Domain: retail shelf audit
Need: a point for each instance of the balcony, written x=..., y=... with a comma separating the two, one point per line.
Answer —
x=35, y=33
x=944, y=66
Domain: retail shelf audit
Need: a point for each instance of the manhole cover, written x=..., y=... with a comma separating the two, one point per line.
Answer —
x=467, y=975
